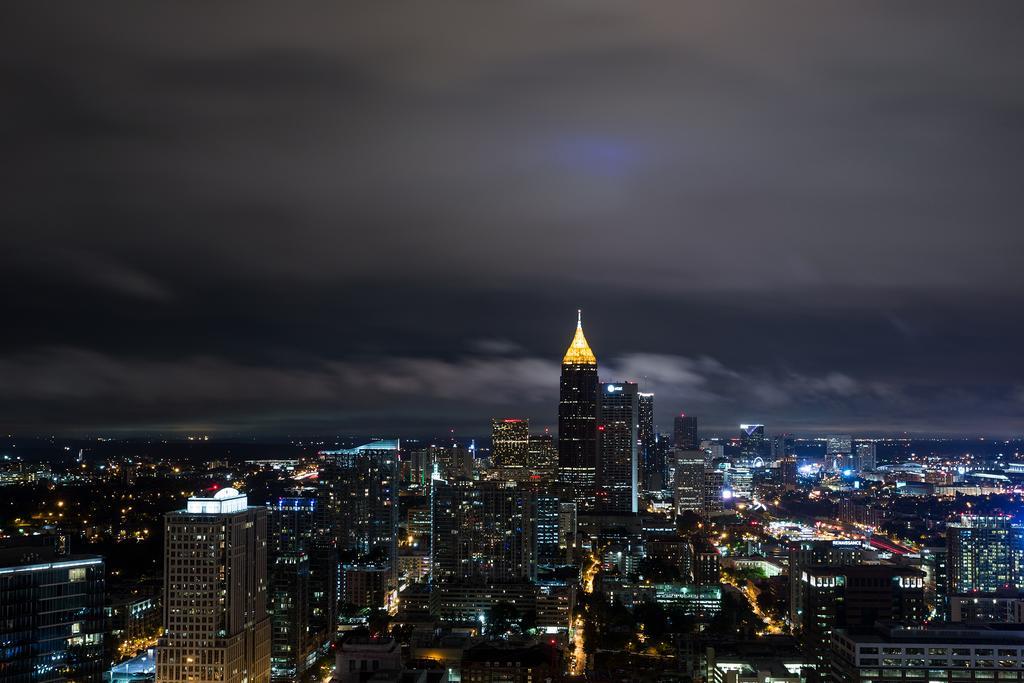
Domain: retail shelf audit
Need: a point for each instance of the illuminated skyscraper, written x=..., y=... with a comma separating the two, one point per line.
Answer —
x=864, y=455
x=510, y=442
x=361, y=491
x=986, y=554
x=52, y=626
x=839, y=451
x=303, y=583
x=542, y=455
x=617, y=447
x=477, y=532
x=577, y=421
x=647, y=438
x=753, y=443
x=686, y=432
x=689, y=480
x=215, y=592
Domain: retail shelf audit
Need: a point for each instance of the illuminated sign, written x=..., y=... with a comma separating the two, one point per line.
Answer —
x=612, y=388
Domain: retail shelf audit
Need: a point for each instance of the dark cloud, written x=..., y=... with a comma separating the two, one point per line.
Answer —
x=350, y=216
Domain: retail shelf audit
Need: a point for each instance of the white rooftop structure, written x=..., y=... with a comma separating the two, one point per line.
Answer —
x=223, y=502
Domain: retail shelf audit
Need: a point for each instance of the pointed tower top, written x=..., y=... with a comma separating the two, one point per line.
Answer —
x=579, y=352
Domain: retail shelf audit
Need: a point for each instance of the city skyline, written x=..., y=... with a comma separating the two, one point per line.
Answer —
x=297, y=223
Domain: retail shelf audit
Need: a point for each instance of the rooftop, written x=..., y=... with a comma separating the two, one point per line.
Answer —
x=579, y=352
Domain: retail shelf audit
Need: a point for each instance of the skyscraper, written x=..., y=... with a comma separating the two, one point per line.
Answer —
x=542, y=455
x=753, y=443
x=647, y=437
x=864, y=455
x=52, y=626
x=303, y=583
x=856, y=596
x=510, y=442
x=686, y=432
x=689, y=467
x=577, y=421
x=477, y=532
x=839, y=451
x=986, y=554
x=617, y=447
x=362, y=494
x=215, y=592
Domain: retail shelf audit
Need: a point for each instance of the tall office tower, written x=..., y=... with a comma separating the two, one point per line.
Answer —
x=510, y=442
x=788, y=471
x=52, y=623
x=477, y=532
x=839, y=451
x=739, y=481
x=288, y=605
x=686, y=432
x=804, y=554
x=715, y=491
x=420, y=467
x=577, y=421
x=856, y=596
x=689, y=469
x=935, y=562
x=647, y=438
x=215, y=592
x=303, y=583
x=542, y=525
x=986, y=554
x=362, y=493
x=781, y=446
x=864, y=455
x=453, y=462
x=753, y=443
x=542, y=455
x=567, y=512
x=617, y=416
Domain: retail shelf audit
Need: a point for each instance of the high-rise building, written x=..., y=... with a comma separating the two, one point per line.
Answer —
x=543, y=512
x=454, y=461
x=856, y=596
x=617, y=447
x=715, y=491
x=986, y=554
x=839, y=451
x=864, y=455
x=361, y=491
x=935, y=562
x=689, y=479
x=788, y=471
x=510, y=442
x=753, y=443
x=781, y=446
x=542, y=455
x=52, y=623
x=686, y=432
x=577, y=421
x=477, y=532
x=215, y=592
x=647, y=438
x=804, y=554
x=303, y=584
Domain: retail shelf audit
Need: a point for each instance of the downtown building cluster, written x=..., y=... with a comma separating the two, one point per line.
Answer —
x=606, y=551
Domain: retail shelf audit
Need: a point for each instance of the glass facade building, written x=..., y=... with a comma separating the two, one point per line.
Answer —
x=52, y=623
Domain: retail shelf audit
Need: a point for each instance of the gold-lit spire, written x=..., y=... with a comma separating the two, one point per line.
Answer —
x=579, y=352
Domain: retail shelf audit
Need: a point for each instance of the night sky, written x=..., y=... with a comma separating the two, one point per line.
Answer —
x=370, y=218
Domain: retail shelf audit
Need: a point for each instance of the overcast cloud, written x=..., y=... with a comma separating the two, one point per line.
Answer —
x=356, y=217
